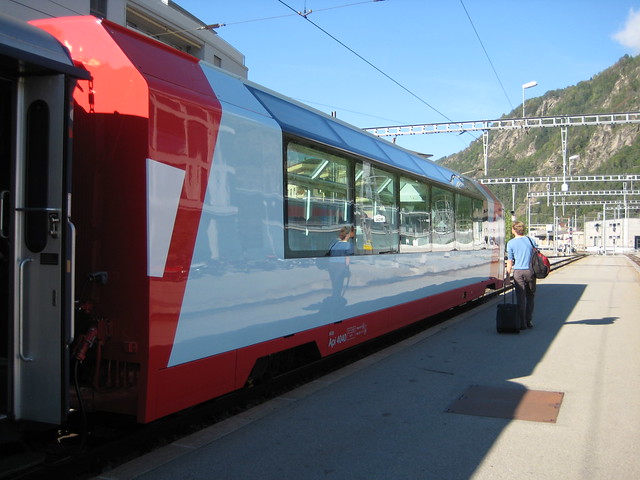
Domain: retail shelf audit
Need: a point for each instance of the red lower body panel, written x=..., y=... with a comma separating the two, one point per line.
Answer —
x=186, y=385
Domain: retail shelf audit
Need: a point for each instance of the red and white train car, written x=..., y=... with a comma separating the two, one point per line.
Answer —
x=196, y=210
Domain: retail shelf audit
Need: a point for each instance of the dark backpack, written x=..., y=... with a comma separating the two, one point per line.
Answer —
x=539, y=265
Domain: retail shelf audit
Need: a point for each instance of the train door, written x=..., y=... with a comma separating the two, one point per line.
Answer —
x=5, y=187
x=34, y=280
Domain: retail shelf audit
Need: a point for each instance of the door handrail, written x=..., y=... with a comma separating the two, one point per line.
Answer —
x=39, y=209
x=72, y=287
x=23, y=356
x=3, y=194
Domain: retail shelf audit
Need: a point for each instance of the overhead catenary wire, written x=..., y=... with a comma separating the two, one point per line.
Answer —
x=486, y=53
x=306, y=17
x=333, y=107
x=304, y=13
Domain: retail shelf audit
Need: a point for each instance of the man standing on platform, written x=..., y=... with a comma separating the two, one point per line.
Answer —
x=519, y=251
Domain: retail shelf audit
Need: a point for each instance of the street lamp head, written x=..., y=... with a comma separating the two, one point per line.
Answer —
x=524, y=87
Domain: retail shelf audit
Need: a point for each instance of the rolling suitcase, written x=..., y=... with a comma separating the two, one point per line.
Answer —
x=508, y=316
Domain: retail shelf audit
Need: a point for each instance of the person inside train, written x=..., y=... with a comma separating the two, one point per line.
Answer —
x=339, y=252
x=519, y=251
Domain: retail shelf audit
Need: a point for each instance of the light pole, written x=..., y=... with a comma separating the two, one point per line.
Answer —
x=524, y=87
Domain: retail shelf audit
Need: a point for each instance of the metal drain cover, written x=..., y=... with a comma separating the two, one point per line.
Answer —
x=509, y=402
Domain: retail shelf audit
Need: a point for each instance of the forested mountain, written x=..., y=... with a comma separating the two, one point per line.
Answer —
x=538, y=151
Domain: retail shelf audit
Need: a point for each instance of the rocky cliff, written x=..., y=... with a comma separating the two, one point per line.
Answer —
x=538, y=151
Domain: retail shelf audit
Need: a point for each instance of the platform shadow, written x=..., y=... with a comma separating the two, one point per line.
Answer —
x=396, y=417
x=595, y=321
x=460, y=430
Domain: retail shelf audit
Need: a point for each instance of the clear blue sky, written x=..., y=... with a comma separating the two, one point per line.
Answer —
x=430, y=47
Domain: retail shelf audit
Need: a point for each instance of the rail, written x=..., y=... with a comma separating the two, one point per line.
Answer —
x=559, y=262
x=634, y=258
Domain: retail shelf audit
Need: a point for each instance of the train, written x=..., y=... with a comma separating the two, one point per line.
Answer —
x=167, y=228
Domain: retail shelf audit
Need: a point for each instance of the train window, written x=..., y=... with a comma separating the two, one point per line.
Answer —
x=415, y=216
x=442, y=219
x=37, y=168
x=327, y=191
x=376, y=210
x=464, y=222
x=479, y=217
x=318, y=200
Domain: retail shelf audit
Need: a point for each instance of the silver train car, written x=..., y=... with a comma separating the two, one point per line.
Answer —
x=168, y=229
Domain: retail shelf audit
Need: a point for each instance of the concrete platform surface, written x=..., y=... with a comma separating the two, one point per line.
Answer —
x=387, y=416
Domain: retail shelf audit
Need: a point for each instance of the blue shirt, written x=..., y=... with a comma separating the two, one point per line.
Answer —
x=341, y=249
x=519, y=250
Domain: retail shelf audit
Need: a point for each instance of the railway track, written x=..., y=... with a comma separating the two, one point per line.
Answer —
x=634, y=258
x=114, y=440
x=559, y=262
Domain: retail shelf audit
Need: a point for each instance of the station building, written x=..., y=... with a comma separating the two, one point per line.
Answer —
x=617, y=234
x=163, y=20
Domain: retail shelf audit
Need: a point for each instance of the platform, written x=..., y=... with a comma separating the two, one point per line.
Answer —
x=441, y=405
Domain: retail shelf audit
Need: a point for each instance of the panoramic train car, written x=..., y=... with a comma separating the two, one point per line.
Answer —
x=200, y=216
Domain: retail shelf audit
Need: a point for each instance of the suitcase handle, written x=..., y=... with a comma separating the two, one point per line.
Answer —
x=513, y=290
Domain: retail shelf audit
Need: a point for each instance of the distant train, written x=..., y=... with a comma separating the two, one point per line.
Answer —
x=168, y=230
